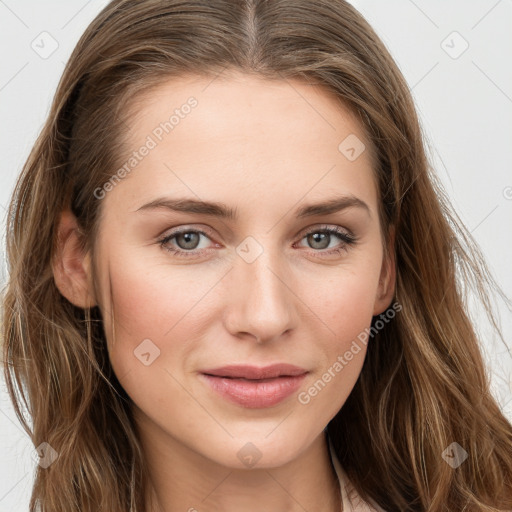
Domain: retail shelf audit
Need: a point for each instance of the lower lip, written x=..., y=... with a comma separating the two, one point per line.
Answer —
x=255, y=394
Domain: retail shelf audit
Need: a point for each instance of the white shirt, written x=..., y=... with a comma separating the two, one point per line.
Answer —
x=350, y=498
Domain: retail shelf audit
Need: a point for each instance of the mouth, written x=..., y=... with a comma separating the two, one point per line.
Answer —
x=253, y=387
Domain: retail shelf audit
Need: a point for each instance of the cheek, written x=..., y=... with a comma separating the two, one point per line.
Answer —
x=151, y=302
x=350, y=305
x=151, y=331
x=346, y=304
x=346, y=307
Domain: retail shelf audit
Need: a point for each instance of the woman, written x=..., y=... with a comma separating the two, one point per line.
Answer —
x=208, y=165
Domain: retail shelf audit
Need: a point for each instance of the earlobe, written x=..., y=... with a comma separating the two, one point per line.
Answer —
x=71, y=266
x=387, y=280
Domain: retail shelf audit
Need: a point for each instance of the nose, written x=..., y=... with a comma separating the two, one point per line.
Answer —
x=260, y=298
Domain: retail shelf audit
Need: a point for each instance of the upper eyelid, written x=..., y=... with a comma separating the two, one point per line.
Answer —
x=184, y=229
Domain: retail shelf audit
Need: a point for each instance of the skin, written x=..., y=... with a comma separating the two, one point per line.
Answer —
x=265, y=148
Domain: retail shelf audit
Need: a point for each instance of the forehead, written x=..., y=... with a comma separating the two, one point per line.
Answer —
x=243, y=137
x=245, y=106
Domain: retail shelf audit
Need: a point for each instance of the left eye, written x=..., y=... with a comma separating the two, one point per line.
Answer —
x=187, y=240
x=324, y=236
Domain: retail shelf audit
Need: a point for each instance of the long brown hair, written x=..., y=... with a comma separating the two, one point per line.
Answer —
x=423, y=385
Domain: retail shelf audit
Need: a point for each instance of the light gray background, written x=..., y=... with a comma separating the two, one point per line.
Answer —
x=464, y=99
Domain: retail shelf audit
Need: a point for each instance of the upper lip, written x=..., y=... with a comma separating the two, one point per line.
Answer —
x=255, y=372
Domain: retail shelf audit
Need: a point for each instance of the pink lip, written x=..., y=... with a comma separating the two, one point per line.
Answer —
x=253, y=387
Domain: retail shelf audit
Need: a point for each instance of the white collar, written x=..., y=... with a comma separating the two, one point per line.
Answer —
x=350, y=498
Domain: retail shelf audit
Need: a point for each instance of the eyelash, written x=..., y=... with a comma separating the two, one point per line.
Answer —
x=347, y=240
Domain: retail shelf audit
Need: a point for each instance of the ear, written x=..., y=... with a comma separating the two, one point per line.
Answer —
x=71, y=267
x=387, y=279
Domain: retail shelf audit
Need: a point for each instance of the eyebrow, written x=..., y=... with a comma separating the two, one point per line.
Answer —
x=187, y=205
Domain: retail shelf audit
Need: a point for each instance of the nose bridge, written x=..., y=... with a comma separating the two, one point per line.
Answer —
x=262, y=304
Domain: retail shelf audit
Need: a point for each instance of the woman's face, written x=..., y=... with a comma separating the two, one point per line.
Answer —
x=263, y=285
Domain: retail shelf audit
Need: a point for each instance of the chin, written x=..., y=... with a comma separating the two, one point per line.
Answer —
x=261, y=452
